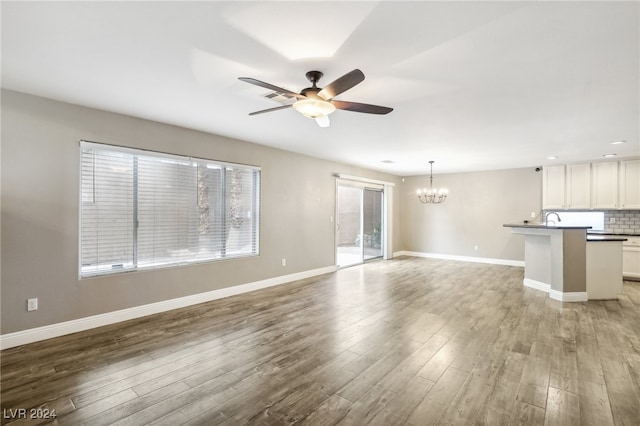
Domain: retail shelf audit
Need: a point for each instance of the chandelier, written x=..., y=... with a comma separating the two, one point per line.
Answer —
x=431, y=195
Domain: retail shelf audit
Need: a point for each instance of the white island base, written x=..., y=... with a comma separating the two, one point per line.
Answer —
x=571, y=268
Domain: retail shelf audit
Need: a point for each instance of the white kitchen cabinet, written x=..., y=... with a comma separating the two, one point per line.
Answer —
x=553, y=187
x=604, y=185
x=578, y=186
x=631, y=258
x=630, y=184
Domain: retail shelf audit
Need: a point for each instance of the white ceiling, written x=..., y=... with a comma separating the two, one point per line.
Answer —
x=475, y=85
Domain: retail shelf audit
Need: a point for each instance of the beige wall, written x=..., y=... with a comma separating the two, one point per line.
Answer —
x=39, y=202
x=479, y=203
x=39, y=199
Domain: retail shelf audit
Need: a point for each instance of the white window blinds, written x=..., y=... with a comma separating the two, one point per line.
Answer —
x=142, y=210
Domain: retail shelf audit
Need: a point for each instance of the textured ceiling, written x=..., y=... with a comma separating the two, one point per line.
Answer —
x=474, y=85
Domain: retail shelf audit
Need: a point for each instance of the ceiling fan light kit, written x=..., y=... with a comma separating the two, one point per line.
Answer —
x=317, y=103
x=314, y=108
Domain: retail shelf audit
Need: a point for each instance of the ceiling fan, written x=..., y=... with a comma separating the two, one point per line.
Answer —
x=316, y=102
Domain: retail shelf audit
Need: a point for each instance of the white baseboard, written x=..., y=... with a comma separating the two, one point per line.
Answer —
x=538, y=285
x=575, y=296
x=492, y=261
x=24, y=337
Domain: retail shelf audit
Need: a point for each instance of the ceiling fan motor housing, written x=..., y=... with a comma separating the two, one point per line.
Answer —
x=311, y=92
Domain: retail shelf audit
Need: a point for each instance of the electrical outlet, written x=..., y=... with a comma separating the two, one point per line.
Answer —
x=32, y=304
x=612, y=220
x=533, y=214
x=284, y=262
x=475, y=248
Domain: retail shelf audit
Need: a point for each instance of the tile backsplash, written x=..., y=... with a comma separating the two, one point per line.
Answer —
x=626, y=221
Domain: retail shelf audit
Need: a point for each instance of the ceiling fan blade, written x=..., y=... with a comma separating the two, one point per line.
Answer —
x=342, y=84
x=271, y=109
x=323, y=121
x=357, y=107
x=271, y=87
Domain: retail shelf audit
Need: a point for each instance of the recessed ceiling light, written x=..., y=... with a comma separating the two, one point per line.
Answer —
x=552, y=157
x=609, y=155
x=618, y=142
x=388, y=161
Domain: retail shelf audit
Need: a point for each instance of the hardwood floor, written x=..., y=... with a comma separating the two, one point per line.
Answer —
x=409, y=341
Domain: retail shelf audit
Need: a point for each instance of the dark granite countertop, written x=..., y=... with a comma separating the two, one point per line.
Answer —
x=537, y=225
x=596, y=238
x=625, y=234
x=592, y=236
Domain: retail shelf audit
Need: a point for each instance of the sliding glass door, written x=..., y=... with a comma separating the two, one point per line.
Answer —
x=359, y=230
x=371, y=223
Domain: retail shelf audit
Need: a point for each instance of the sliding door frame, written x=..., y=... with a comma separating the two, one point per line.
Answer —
x=387, y=212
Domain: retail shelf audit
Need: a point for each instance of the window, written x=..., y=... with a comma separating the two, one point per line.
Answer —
x=144, y=210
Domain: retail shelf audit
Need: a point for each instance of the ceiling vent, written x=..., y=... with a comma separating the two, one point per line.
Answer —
x=280, y=98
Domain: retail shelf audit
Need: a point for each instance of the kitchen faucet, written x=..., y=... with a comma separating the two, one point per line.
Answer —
x=546, y=218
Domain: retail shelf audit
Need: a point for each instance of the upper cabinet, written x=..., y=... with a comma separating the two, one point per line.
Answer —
x=578, y=194
x=566, y=187
x=604, y=185
x=630, y=185
x=553, y=187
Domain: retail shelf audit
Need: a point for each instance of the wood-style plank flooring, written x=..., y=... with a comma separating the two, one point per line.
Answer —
x=409, y=341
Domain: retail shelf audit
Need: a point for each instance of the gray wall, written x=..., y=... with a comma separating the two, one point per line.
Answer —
x=39, y=200
x=479, y=203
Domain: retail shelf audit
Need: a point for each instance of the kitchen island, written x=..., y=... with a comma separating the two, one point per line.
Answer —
x=569, y=264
